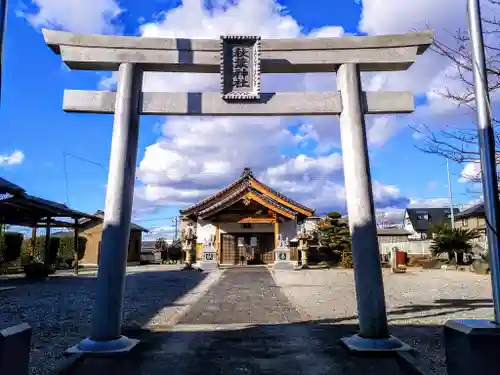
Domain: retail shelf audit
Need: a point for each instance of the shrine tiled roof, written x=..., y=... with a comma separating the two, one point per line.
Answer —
x=238, y=195
x=244, y=180
x=226, y=202
x=273, y=202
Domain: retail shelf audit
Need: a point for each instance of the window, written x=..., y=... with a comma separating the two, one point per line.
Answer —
x=246, y=226
x=423, y=217
x=465, y=222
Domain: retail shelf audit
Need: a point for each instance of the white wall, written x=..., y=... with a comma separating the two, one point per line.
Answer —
x=407, y=224
x=310, y=225
x=204, y=230
x=415, y=247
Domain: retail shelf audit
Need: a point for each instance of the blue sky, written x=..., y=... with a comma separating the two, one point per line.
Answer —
x=66, y=155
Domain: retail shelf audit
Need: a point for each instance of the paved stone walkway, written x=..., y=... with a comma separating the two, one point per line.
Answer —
x=243, y=295
x=244, y=325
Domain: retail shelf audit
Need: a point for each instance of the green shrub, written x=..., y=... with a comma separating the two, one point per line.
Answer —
x=346, y=260
x=11, y=246
x=25, y=252
x=61, y=249
x=67, y=248
x=36, y=271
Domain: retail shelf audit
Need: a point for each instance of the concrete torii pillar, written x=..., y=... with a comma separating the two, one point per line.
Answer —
x=105, y=335
x=374, y=332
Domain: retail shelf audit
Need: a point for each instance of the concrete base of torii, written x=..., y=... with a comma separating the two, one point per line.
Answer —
x=122, y=344
x=357, y=344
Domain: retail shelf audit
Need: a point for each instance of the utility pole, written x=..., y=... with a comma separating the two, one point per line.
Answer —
x=486, y=148
x=469, y=343
x=176, y=228
x=450, y=196
x=3, y=18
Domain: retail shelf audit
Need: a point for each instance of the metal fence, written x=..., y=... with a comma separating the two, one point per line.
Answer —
x=415, y=247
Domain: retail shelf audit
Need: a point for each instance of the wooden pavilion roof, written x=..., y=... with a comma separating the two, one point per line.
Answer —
x=7, y=187
x=248, y=187
x=31, y=211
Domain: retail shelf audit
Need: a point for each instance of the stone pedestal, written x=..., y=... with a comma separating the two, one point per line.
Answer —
x=392, y=259
x=15, y=345
x=282, y=259
x=303, y=238
x=209, y=259
x=472, y=347
x=188, y=262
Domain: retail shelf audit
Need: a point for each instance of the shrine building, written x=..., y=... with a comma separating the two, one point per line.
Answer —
x=243, y=221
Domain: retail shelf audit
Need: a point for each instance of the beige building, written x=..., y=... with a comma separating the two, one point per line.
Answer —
x=472, y=218
x=91, y=229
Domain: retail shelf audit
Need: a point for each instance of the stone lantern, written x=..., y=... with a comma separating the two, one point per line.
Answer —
x=303, y=238
x=188, y=238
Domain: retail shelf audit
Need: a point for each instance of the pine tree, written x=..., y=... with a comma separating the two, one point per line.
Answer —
x=333, y=232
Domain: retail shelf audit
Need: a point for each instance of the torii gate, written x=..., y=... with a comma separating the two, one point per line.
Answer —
x=240, y=61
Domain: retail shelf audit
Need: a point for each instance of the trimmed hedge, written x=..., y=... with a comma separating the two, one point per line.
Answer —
x=61, y=249
x=10, y=246
x=66, y=248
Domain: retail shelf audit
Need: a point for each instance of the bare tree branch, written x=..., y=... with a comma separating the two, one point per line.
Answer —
x=456, y=143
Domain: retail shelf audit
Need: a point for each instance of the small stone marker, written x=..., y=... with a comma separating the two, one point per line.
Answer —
x=209, y=258
x=282, y=258
x=15, y=344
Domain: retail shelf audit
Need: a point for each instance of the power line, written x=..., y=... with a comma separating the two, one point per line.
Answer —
x=87, y=161
x=157, y=219
x=65, y=169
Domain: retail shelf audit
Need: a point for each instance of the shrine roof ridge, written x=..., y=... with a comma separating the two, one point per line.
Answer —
x=230, y=199
x=245, y=179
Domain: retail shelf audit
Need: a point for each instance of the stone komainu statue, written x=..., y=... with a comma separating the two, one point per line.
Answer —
x=187, y=235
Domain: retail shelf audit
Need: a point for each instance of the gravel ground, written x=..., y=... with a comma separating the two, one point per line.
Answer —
x=418, y=302
x=59, y=309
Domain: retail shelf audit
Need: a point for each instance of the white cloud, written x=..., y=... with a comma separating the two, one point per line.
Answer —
x=159, y=231
x=430, y=202
x=470, y=172
x=15, y=158
x=89, y=16
x=381, y=129
x=195, y=157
